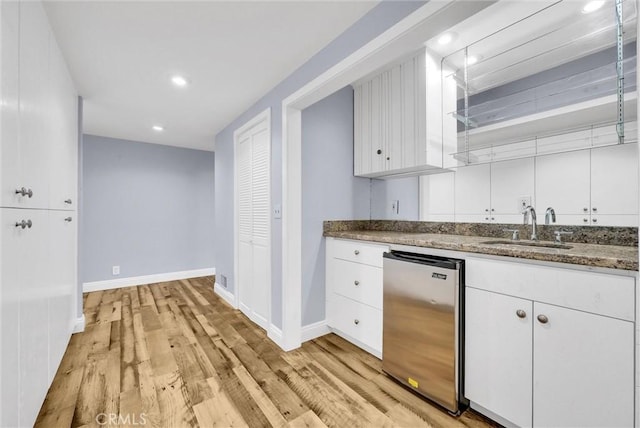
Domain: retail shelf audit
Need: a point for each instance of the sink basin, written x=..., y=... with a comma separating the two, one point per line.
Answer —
x=529, y=244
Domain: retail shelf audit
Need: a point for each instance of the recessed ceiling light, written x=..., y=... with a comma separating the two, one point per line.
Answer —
x=592, y=6
x=158, y=128
x=179, y=80
x=472, y=59
x=445, y=39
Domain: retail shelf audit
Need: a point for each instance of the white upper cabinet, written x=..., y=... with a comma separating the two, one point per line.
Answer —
x=562, y=182
x=511, y=180
x=398, y=119
x=614, y=182
x=39, y=114
x=597, y=186
x=10, y=105
x=63, y=135
x=35, y=135
x=473, y=193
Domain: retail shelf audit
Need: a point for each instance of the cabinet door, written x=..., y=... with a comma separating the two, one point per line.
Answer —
x=437, y=196
x=34, y=102
x=393, y=85
x=61, y=284
x=10, y=106
x=63, y=139
x=614, y=180
x=498, y=354
x=377, y=127
x=583, y=369
x=509, y=181
x=32, y=275
x=562, y=182
x=410, y=84
x=473, y=190
x=358, y=141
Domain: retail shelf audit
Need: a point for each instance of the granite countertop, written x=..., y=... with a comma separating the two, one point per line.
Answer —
x=587, y=254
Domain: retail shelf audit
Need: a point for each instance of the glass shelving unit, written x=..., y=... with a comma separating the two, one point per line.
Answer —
x=555, y=81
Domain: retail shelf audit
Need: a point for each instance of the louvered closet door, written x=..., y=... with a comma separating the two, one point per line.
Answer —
x=254, y=216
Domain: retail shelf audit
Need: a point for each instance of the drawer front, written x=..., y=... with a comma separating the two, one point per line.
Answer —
x=359, y=252
x=594, y=292
x=357, y=320
x=362, y=283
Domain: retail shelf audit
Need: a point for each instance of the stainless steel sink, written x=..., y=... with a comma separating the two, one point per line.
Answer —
x=529, y=244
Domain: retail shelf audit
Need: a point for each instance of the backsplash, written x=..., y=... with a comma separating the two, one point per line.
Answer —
x=624, y=236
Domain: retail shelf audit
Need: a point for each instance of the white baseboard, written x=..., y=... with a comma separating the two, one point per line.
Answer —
x=145, y=279
x=275, y=334
x=78, y=325
x=311, y=331
x=225, y=294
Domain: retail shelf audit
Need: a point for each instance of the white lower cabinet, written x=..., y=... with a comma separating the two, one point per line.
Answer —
x=354, y=292
x=583, y=369
x=498, y=354
x=533, y=361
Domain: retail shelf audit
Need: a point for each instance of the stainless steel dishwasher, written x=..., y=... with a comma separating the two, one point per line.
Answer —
x=422, y=326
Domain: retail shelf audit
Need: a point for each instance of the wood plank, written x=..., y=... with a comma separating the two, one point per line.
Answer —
x=266, y=405
x=175, y=407
x=307, y=420
x=289, y=403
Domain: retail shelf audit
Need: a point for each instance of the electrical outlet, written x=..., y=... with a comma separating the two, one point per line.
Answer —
x=115, y=270
x=523, y=202
x=395, y=207
x=277, y=211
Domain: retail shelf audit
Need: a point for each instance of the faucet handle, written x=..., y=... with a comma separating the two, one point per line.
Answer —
x=515, y=233
x=559, y=234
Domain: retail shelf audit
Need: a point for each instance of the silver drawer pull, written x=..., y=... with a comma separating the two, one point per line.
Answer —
x=68, y=201
x=356, y=282
x=68, y=219
x=24, y=192
x=356, y=252
x=521, y=314
x=543, y=319
x=24, y=224
x=356, y=321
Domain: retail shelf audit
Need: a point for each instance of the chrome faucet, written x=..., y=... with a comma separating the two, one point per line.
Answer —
x=534, y=225
x=550, y=214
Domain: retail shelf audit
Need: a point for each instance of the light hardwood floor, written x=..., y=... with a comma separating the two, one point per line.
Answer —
x=175, y=355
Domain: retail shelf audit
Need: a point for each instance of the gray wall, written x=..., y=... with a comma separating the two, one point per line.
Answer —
x=406, y=190
x=147, y=208
x=331, y=192
x=376, y=21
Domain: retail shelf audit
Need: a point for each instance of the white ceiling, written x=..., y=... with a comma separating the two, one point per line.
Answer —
x=122, y=55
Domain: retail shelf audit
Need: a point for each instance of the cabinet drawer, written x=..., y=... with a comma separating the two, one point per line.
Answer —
x=362, y=283
x=359, y=252
x=357, y=320
x=599, y=293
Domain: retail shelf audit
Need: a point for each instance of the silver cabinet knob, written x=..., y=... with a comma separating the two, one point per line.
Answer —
x=356, y=252
x=595, y=220
x=356, y=282
x=356, y=321
x=521, y=314
x=585, y=220
x=24, y=224
x=586, y=210
x=24, y=192
x=68, y=219
x=594, y=209
x=543, y=319
x=68, y=201
x=486, y=210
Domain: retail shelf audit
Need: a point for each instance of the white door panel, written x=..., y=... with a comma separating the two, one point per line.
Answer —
x=614, y=180
x=253, y=159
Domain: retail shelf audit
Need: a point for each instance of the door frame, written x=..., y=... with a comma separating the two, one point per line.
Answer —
x=264, y=116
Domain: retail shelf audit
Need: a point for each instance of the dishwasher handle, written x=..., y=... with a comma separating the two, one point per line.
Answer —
x=423, y=259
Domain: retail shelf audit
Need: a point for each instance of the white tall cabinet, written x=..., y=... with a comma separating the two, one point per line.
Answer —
x=38, y=224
